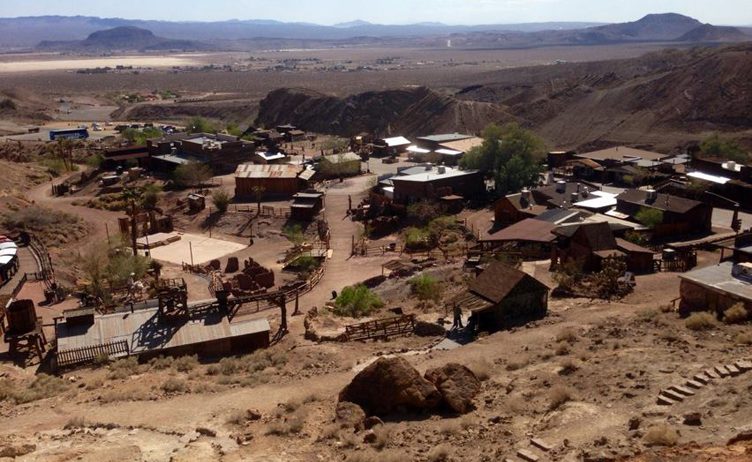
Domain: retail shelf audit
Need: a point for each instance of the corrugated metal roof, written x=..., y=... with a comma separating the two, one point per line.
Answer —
x=267, y=171
x=529, y=230
x=720, y=278
x=396, y=141
x=623, y=153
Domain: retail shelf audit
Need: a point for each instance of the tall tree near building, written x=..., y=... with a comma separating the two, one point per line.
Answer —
x=725, y=149
x=510, y=155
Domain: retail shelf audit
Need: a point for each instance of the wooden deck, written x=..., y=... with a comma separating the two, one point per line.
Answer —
x=144, y=334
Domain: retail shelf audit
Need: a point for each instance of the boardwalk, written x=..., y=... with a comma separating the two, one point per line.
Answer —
x=26, y=264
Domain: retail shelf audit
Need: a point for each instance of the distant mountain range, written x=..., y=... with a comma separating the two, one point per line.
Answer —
x=74, y=33
x=125, y=38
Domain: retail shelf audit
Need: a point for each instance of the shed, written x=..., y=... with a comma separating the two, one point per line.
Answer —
x=502, y=297
x=274, y=180
x=716, y=287
x=306, y=205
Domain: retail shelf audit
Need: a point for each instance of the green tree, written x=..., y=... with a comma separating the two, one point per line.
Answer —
x=192, y=174
x=649, y=217
x=356, y=301
x=509, y=154
x=221, y=200
x=725, y=149
x=425, y=287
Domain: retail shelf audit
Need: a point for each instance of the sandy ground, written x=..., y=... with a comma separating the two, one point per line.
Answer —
x=57, y=64
x=204, y=249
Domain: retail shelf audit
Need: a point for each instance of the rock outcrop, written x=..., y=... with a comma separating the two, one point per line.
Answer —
x=457, y=384
x=391, y=385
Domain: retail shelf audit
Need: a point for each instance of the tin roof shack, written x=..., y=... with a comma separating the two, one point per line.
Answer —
x=564, y=194
x=502, y=297
x=717, y=287
x=273, y=180
x=223, y=152
x=680, y=216
x=436, y=182
x=306, y=205
x=341, y=165
x=393, y=146
x=588, y=244
x=446, y=148
x=514, y=208
x=622, y=154
x=531, y=237
x=737, y=249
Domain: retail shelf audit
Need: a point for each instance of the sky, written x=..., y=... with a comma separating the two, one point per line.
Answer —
x=720, y=12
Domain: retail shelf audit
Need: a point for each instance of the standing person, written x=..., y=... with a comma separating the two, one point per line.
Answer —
x=457, y=318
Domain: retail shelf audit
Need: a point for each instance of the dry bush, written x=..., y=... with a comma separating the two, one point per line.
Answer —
x=43, y=386
x=562, y=349
x=661, y=435
x=291, y=423
x=123, y=368
x=700, y=321
x=517, y=364
x=161, y=362
x=383, y=436
x=737, y=314
x=292, y=405
x=94, y=384
x=439, y=454
x=568, y=335
x=744, y=338
x=481, y=368
x=237, y=417
x=175, y=385
x=186, y=363
x=567, y=367
x=558, y=395
x=468, y=421
x=450, y=427
x=75, y=422
x=114, y=396
x=230, y=366
x=647, y=315
x=329, y=432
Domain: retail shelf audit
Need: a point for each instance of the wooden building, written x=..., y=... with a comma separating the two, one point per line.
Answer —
x=716, y=287
x=436, y=182
x=306, y=205
x=275, y=180
x=502, y=297
x=514, y=208
x=681, y=216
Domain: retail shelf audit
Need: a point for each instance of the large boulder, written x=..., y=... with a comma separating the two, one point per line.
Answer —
x=389, y=385
x=457, y=384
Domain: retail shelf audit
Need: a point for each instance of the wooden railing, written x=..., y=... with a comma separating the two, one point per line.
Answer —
x=381, y=328
x=83, y=355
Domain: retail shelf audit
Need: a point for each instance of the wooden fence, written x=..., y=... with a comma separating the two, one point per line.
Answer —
x=381, y=328
x=77, y=356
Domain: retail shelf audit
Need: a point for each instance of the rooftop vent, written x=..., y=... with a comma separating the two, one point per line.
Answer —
x=652, y=195
x=442, y=170
x=561, y=186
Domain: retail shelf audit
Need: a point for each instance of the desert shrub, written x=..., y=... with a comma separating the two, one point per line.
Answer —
x=383, y=436
x=356, y=301
x=423, y=211
x=192, y=174
x=291, y=423
x=661, y=435
x=305, y=264
x=417, y=238
x=237, y=417
x=230, y=366
x=43, y=386
x=517, y=364
x=294, y=233
x=562, y=349
x=7, y=104
x=568, y=335
x=425, y=287
x=737, y=314
x=51, y=226
x=161, y=362
x=261, y=359
x=700, y=321
x=186, y=363
x=439, y=453
x=374, y=456
x=123, y=368
x=482, y=369
x=221, y=200
x=744, y=338
x=75, y=422
x=568, y=274
x=558, y=395
x=605, y=283
x=175, y=385
x=567, y=367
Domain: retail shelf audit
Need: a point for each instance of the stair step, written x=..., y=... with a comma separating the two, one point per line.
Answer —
x=542, y=445
x=694, y=384
x=673, y=395
x=527, y=455
x=682, y=390
x=722, y=371
x=744, y=365
x=702, y=378
x=712, y=374
x=733, y=370
x=665, y=401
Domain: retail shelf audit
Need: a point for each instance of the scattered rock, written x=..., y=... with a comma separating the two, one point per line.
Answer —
x=206, y=432
x=369, y=437
x=17, y=450
x=457, y=384
x=243, y=438
x=253, y=414
x=372, y=421
x=634, y=423
x=389, y=384
x=693, y=419
x=349, y=415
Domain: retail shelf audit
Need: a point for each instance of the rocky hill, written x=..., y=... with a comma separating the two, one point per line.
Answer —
x=711, y=33
x=127, y=38
x=661, y=98
x=408, y=111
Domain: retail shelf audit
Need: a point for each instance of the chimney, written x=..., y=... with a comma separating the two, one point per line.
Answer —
x=442, y=170
x=561, y=186
x=652, y=195
x=575, y=198
x=525, y=194
x=429, y=167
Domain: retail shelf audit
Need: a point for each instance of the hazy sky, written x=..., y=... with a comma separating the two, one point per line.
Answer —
x=733, y=12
